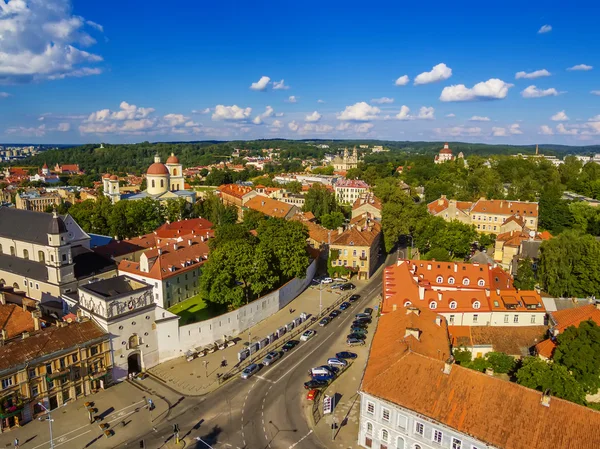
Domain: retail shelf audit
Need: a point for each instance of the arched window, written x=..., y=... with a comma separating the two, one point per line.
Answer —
x=384, y=435
x=25, y=254
x=15, y=285
x=400, y=443
x=476, y=305
x=153, y=184
x=481, y=282
x=453, y=304
x=417, y=446
x=2, y=281
x=174, y=172
x=162, y=182
x=439, y=279
x=133, y=341
x=466, y=281
x=369, y=428
x=450, y=280
x=407, y=304
x=12, y=250
x=172, y=186
x=41, y=256
x=433, y=305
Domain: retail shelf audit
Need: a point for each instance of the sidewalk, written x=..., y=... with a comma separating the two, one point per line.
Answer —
x=199, y=376
x=71, y=427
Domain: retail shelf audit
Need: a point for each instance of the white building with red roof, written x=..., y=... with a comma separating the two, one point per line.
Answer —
x=347, y=191
x=444, y=155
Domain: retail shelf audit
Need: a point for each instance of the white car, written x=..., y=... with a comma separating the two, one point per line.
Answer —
x=340, y=279
x=308, y=335
x=327, y=281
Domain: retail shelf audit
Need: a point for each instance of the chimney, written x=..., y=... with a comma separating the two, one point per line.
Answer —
x=36, y=320
x=498, y=291
x=413, y=309
x=597, y=304
x=25, y=335
x=189, y=242
x=2, y=298
x=489, y=371
x=421, y=292
x=159, y=251
x=448, y=365
x=438, y=320
x=545, y=398
x=4, y=334
x=340, y=230
x=412, y=331
x=455, y=267
x=439, y=295
x=175, y=246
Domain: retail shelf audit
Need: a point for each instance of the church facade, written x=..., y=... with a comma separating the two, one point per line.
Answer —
x=346, y=162
x=163, y=182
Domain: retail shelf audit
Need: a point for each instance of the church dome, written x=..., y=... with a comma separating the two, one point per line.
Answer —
x=114, y=178
x=106, y=175
x=172, y=159
x=157, y=169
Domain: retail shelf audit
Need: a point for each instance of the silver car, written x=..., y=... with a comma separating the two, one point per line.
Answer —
x=271, y=357
x=250, y=371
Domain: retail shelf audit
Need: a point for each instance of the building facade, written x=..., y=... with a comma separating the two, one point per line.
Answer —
x=37, y=201
x=347, y=191
x=346, y=161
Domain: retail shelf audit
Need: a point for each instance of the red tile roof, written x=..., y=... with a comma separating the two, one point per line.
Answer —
x=270, y=206
x=351, y=183
x=363, y=231
x=574, y=317
x=235, y=190
x=504, y=207
x=182, y=227
x=14, y=320
x=367, y=198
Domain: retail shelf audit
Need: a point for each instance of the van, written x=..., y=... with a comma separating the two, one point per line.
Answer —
x=320, y=371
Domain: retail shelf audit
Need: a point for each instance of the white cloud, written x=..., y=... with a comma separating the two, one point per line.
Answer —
x=382, y=100
x=315, y=128
x=595, y=92
x=534, y=92
x=175, y=119
x=203, y=111
x=95, y=25
x=560, y=117
x=359, y=112
x=363, y=128
x=546, y=130
x=451, y=115
x=478, y=118
x=532, y=75
x=562, y=129
x=292, y=99
x=439, y=72
x=261, y=84
x=64, y=127
x=293, y=126
x=595, y=119
x=492, y=89
x=42, y=40
x=277, y=124
x=4, y=95
x=457, y=131
x=314, y=117
x=279, y=114
x=404, y=113
x=257, y=120
x=545, y=29
x=280, y=85
x=320, y=101
x=39, y=131
x=231, y=112
x=499, y=132
x=426, y=113
x=511, y=130
x=126, y=112
x=402, y=81
x=343, y=126
x=580, y=67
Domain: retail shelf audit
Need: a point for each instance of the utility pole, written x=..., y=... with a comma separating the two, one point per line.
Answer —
x=320, y=298
x=49, y=424
x=250, y=344
x=176, y=433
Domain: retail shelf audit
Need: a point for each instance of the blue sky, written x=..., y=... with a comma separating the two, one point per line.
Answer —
x=114, y=71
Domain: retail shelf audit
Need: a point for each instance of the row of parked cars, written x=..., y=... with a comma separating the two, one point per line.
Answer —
x=343, y=306
x=321, y=376
x=359, y=328
x=341, y=283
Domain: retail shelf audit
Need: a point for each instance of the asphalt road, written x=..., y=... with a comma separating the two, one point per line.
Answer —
x=265, y=411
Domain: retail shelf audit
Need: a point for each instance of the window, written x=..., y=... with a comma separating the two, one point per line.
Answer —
x=370, y=408
x=451, y=319
x=451, y=280
x=369, y=428
x=506, y=318
x=456, y=444
x=32, y=373
x=368, y=442
x=48, y=368
x=437, y=436
x=475, y=318
x=532, y=319
x=64, y=257
x=402, y=422
x=8, y=382
x=153, y=183
x=74, y=358
x=385, y=414
x=63, y=362
x=453, y=304
x=400, y=443
x=12, y=250
x=433, y=305
x=439, y=279
x=419, y=428
x=407, y=304
x=93, y=350
x=35, y=390
x=476, y=305
x=50, y=384
x=384, y=435
x=162, y=182
x=466, y=281
x=354, y=253
x=481, y=282
x=516, y=319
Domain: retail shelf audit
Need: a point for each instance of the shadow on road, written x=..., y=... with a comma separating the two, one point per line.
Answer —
x=209, y=439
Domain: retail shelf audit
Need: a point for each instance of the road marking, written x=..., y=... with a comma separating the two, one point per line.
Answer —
x=300, y=440
x=60, y=438
x=263, y=378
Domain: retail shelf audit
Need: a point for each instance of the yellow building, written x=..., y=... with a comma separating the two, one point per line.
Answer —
x=37, y=201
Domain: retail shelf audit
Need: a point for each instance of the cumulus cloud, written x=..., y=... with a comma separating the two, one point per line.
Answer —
x=562, y=129
x=532, y=75
x=363, y=128
x=545, y=29
x=595, y=92
x=439, y=72
x=478, y=118
x=63, y=127
x=261, y=84
x=231, y=112
x=315, y=128
x=560, y=117
x=280, y=85
x=201, y=111
x=580, y=67
x=4, y=95
x=39, y=131
x=426, y=113
x=41, y=40
x=404, y=113
x=359, y=112
x=126, y=112
x=511, y=130
x=257, y=120
x=546, y=130
x=175, y=119
x=314, y=117
x=451, y=115
x=277, y=124
x=292, y=99
x=492, y=89
x=533, y=92
x=320, y=101
x=402, y=81
x=457, y=131
x=382, y=100
x=293, y=126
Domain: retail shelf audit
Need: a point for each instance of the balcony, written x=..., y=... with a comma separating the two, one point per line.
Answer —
x=56, y=374
x=363, y=257
x=98, y=374
x=11, y=405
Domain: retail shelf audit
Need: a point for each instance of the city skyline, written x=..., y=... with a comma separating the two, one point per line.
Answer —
x=74, y=72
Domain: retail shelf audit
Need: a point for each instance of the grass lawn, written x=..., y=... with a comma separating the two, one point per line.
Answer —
x=195, y=309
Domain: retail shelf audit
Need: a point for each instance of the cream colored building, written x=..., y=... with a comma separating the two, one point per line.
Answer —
x=37, y=201
x=346, y=162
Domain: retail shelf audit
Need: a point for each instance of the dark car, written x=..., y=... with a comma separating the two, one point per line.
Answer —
x=344, y=305
x=346, y=355
x=364, y=320
x=325, y=321
x=348, y=286
x=358, y=330
x=369, y=310
x=357, y=336
x=360, y=324
x=354, y=298
x=332, y=369
x=289, y=345
x=313, y=384
x=334, y=313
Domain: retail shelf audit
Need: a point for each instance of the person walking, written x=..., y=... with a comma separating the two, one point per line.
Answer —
x=17, y=443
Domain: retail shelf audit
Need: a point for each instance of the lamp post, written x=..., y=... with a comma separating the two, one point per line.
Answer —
x=49, y=424
x=320, y=298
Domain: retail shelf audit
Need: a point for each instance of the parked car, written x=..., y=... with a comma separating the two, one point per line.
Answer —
x=289, y=345
x=250, y=371
x=365, y=320
x=334, y=313
x=339, y=279
x=362, y=315
x=344, y=305
x=360, y=324
x=347, y=286
x=337, y=362
x=354, y=342
x=346, y=355
x=310, y=396
x=314, y=384
x=325, y=378
x=335, y=286
x=354, y=298
x=358, y=330
x=356, y=335
x=325, y=321
x=327, y=281
x=308, y=335
x=369, y=311
x=320, y=371
x=331, y=369
x=271, y=357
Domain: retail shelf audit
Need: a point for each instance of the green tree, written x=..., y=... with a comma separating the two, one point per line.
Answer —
x=462, y=356
x=439, y=254
x=286, y=240
x=554, y=215
x=320, y=201
x=500, y=362
x=333, y=220
x=253, y=218
x=525, y=278
x=294, y=186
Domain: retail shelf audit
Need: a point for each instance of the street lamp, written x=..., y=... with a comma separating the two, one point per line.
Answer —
x=320, y=298
x=49, y=424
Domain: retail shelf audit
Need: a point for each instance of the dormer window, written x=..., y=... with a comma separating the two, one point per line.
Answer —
x=481, y=282
x=407, y=304
x=466, y=281
x=439, y=279
x=451, y=280
x=476, y=304
x=433, y=305
x=453, y=304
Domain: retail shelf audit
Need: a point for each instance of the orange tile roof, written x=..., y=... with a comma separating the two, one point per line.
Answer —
x=363, y=231
x=505, y=207
x=177, y=228
x=367, y=198
x=270, y=206
x=315, y=231
x=14, y=320
x=574, y=317
x=235, y=190
x=546, y=348
x=497, y=412
x=512, y=340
